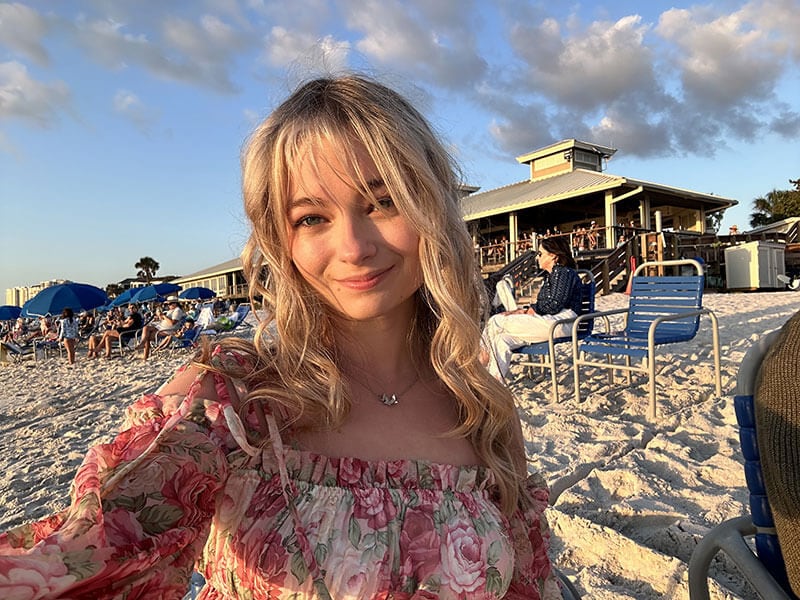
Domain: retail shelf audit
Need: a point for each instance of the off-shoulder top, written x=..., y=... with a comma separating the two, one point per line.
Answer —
x=181, y=488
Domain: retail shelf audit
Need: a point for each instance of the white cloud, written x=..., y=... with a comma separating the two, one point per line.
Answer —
x=199, y=53
x=781, y=19
x=695, y=80
x=723, y=61
x=292, y=48
x=22, y=29
x=22, y=97
x=435, y=43
x=128, y=105
x=586, y=68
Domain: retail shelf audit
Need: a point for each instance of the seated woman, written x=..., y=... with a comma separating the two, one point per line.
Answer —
x=133, y=322
x=86, y=322
x=559, y=298
x=19, y=332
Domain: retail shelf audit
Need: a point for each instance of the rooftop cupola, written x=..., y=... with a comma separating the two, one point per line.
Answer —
x=566, y=156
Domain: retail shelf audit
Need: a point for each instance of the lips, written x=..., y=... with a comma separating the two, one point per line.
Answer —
x=366, y=281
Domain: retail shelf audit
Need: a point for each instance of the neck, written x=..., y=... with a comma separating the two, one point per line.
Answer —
x=381, y=348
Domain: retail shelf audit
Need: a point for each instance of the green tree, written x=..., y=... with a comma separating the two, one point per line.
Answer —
x=113, y=290
x=776, y=205
x=147, y=268
x=714, y=220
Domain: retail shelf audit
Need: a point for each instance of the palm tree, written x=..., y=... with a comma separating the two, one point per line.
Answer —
x=775, y=206
x=147, y=268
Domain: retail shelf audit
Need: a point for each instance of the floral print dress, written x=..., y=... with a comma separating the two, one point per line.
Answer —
x=180, y=487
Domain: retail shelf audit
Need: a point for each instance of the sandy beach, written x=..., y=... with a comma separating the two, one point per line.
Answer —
x=630, y=498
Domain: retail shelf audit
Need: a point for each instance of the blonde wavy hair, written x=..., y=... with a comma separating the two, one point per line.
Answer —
x=300, y=375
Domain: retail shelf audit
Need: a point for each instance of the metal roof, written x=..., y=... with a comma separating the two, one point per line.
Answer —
x=580, y=182
x=235, y=264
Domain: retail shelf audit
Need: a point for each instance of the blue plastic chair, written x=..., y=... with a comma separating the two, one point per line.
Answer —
x=663, y=309
x=546, y=351
x=764, y=570
x=189, y=339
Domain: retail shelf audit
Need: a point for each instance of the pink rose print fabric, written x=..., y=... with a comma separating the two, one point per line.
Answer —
x=177, y=490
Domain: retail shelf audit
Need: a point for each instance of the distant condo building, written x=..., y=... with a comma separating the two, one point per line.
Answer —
x=17, y=296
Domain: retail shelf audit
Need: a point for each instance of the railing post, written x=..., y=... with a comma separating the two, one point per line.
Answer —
x=606, y=278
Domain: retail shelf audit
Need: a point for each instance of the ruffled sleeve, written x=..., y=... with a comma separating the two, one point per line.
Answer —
x=140, y=510
x=534, y=577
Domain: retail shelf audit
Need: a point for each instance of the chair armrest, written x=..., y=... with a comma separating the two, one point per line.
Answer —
x=604, y=314
x=651, y=332
x=729, y=537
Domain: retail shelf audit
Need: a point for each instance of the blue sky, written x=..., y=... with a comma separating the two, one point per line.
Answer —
x=121, y=122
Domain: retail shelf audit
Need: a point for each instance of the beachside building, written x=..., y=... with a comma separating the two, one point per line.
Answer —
x=226, y=279
x=569, y=192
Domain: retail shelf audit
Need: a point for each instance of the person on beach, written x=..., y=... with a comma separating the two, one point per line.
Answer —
x=133, y=322
x=188, y=325
x=19, y=332
x=86, y=321
x=778, y=426
x=169, y=323
x=558, y=298
x=363, y=451
x=68, y=333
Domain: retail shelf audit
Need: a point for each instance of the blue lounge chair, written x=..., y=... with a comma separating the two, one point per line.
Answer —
x=546, y=351
x=128, y=340
x=188, y=340
x=243, y=310
x=16, y=352
x=764, y=570
x=44, y=348
x=663, y=309
x=225, y=324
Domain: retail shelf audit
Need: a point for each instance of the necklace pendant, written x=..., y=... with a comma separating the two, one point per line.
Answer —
x=389, y=400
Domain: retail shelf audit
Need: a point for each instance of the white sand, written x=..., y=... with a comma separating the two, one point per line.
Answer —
x=630, y=498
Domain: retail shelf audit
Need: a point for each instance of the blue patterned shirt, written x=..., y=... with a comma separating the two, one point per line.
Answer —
x=561, y=289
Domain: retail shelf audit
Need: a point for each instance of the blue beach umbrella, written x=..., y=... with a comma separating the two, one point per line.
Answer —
x=9, y=312
x=154, y=292
x=197, y=293
x=52, y=300
x=123, y=298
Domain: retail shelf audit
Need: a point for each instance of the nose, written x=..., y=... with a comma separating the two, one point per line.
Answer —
x=357, y=238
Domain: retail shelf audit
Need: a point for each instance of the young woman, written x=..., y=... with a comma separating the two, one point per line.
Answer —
x=68, y=333
x=356, y=448
x=558, y=298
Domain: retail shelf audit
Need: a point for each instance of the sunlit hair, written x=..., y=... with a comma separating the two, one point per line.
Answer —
x=300, y=376
x=559, y=245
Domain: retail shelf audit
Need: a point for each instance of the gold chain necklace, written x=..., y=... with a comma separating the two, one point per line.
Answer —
x=383, y=397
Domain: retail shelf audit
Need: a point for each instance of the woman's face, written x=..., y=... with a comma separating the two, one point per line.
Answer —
x=362, y=260
x=547, y=260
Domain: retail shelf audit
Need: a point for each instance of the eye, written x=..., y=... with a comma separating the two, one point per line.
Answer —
x=386, y=202
x=308, y=221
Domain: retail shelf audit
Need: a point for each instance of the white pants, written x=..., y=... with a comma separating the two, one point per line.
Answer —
x=505, y=332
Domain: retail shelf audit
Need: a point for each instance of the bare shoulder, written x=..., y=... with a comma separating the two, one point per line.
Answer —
x=180, y=384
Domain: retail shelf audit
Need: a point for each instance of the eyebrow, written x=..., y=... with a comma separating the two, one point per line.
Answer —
x=372, y=184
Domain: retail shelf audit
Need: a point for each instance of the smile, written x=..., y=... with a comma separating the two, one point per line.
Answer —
x=365, y=282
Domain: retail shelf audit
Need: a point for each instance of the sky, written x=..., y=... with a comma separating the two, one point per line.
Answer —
x=122, y=121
